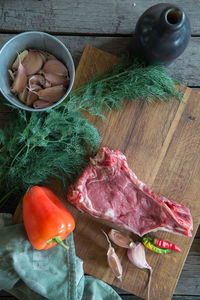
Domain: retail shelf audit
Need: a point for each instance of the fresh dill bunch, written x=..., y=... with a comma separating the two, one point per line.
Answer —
x=130, y=80
x=58, y=142
x=39, y=145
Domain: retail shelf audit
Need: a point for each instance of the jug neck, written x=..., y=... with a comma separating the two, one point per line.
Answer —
x=172, y=18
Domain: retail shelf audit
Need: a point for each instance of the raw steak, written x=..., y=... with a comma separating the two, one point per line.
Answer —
x=108, y=189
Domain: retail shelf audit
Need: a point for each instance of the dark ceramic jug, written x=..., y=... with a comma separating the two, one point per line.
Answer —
x=162, y=33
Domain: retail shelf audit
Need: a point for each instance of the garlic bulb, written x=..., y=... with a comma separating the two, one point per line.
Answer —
x=39, y=79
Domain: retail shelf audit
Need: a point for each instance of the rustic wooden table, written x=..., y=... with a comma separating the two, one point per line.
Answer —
x=107, y=25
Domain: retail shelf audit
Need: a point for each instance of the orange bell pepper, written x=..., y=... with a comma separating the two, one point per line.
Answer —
x=46, y=219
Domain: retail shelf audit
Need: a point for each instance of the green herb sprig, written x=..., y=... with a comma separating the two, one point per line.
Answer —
x=40, y=145
x=130, y=80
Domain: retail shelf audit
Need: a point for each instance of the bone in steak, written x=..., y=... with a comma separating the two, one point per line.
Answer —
x=110, y=190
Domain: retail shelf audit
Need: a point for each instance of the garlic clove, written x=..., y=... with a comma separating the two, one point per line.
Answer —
x=50, y=56
x=31, y=98
x=52, y=94
x=35, y=88
x=20, y=80
x=23, y=95
x=43, y=56
x=46, y=55
x=54, y=66
x=36, y=80
x=41, y=104
x=137, y=257
x=121, y=240
x=55, y=79
x=113, y=260
x=32, y=62
x=20, y=57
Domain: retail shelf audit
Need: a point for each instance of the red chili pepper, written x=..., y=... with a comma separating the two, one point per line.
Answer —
x=46, y=219
x=166, y=245
x=149, y=244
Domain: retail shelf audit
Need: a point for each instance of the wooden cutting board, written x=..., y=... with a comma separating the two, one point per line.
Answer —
x=162, y=145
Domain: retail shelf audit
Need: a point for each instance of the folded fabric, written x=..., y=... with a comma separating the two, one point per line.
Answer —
x=55, y=274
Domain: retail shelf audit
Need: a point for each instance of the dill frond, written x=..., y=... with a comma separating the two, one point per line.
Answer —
x=128, y=80
x=40, y=145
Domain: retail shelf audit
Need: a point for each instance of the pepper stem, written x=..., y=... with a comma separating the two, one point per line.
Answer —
x=57, y=239
x=145, y=240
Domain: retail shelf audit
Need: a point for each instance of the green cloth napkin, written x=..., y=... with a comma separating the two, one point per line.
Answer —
x=55, y=274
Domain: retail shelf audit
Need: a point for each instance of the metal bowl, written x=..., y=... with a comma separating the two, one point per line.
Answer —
x=32, y=40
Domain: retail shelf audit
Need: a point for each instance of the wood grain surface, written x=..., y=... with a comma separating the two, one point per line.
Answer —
x=109, y=26
x=188, y=63
x=102, y=17
x=161, y=143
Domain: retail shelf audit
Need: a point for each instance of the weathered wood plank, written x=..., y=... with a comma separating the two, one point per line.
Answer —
x=188, y=283
x=123, y=297
x=185, y=68
x=102, y=17
x=198, y=233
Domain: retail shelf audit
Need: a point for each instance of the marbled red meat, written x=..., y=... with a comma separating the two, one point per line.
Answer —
x=110, y=190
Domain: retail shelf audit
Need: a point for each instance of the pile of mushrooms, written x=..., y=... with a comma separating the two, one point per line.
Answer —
x=39, y=79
